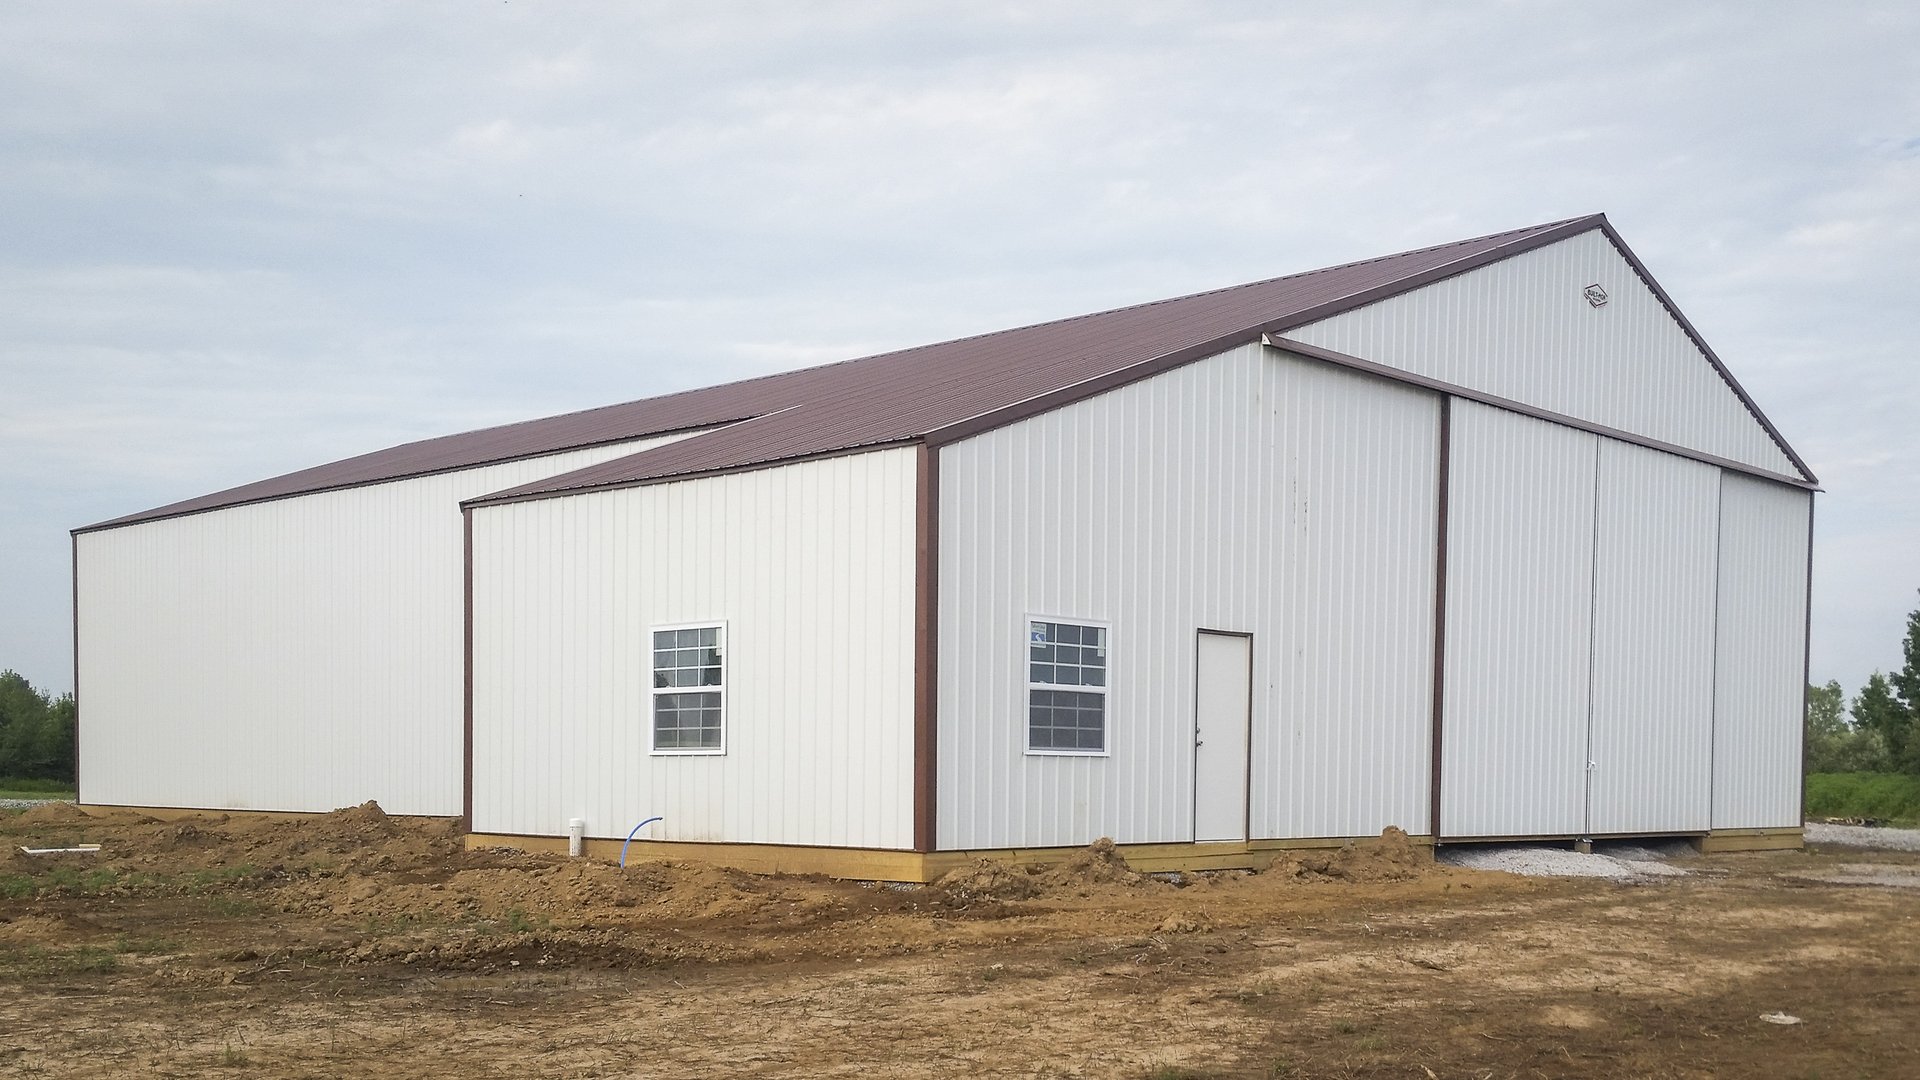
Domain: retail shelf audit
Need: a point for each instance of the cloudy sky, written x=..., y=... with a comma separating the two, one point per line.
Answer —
x=238, y=239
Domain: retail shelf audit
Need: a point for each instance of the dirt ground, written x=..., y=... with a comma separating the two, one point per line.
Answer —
x=353, y=945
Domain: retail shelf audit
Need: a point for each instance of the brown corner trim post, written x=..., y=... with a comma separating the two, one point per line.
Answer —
x=74, y=565
x=1444, y=492
x=466, y=668
x=926, y=622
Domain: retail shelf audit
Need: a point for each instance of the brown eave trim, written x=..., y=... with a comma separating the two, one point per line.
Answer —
x=1398, y=375
x=1443, y=484
x=145, y=518
x=926, y=647
x=1646, y=278
x=484, y=501
x=74, y=540
x=466, y=668
x=1086, y=388
x=1330, y=308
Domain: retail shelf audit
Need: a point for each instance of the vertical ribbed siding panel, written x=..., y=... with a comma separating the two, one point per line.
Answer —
x=1520, y=328
x=1760, y=660
x=1519, y=619
x=1655, y=557
x=1254, y=491
x=810, y=566
x=301, y=654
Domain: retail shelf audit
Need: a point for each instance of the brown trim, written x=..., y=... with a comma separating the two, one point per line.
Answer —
x=926, y=647
x=74, y=566
x=1315, y=352
x=1086, y=388
x=466, y=668
x=1806, y=668
x=1570, y=227
x=674, y=478
x=154, y=515
x=1673, y=309
x=1246, y=823
x=1443, y=492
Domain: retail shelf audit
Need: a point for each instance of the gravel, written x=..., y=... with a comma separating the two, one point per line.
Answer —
x=26, y=804
x=1618, y=862
x=1861, y=836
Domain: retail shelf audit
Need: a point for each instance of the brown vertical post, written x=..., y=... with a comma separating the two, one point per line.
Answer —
x=466, y=668
x=926, y=527
x=74, y=538
x=1443, y=491
x=1806, y=672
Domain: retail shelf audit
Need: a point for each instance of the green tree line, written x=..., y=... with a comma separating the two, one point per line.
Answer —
x=1879, y=731
x=36, y=731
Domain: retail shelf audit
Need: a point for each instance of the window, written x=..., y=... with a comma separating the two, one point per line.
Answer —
x=1066, y=687
x=689, y=690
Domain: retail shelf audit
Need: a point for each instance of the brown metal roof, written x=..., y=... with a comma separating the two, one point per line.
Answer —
x=934, y=393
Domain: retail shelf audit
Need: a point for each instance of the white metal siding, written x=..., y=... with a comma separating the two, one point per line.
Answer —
x=1655, y=557
x=1521, y=329
x=1253, y=491
x=811, y=568
x=301, y=654
x=1760, y=662
x=1519, y=622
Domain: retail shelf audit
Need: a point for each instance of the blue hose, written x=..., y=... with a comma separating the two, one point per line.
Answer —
x=629, y=843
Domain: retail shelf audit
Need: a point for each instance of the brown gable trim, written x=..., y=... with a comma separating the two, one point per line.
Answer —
x=1315, y=352
x=1646, y=278
x=155, y=515
x=926, y=647
x=1459, y=266
x=484, y=501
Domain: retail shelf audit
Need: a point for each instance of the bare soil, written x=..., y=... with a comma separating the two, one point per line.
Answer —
x=354, y=945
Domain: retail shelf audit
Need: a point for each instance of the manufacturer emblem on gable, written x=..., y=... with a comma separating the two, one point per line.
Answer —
x=1596, y=296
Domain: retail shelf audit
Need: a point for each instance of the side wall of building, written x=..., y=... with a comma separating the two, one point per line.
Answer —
x=810, y=569
x=300, y=654
x=1760, y=657
x=1254, y=492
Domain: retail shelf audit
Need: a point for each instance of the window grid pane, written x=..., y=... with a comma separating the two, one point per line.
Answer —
x=1066, y=655
x=685, y=718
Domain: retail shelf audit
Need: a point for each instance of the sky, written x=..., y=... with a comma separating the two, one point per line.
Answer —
x=239, y=239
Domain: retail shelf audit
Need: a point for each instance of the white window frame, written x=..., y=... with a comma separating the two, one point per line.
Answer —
x=653, y=696
x=1026, y=698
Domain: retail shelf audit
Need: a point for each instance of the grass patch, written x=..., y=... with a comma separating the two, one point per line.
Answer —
x=26, y=787
x=1892, y=797
x=145, y=946
x=34, y=962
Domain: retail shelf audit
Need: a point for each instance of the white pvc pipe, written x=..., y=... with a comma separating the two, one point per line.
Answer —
x=576, y=837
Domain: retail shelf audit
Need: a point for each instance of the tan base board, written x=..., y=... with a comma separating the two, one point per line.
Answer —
x=176, y=813
x=1751, y=840
x=877, y=864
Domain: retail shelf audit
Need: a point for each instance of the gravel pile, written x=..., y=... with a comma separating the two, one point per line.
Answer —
x=1619, y=863
x=26, y=804
x=1861, y=836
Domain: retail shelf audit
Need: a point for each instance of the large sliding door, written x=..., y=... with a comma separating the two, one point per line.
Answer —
x=1579, y=679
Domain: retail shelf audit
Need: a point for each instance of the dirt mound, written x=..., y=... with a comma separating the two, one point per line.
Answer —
x=985, y=879
x=1099, y=863
x=54, y=813
x=1390, y=857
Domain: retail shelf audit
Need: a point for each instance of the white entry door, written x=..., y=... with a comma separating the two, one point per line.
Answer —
x=1223, y=716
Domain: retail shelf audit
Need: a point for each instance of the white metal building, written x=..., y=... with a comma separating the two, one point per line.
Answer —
x=1480, y=541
